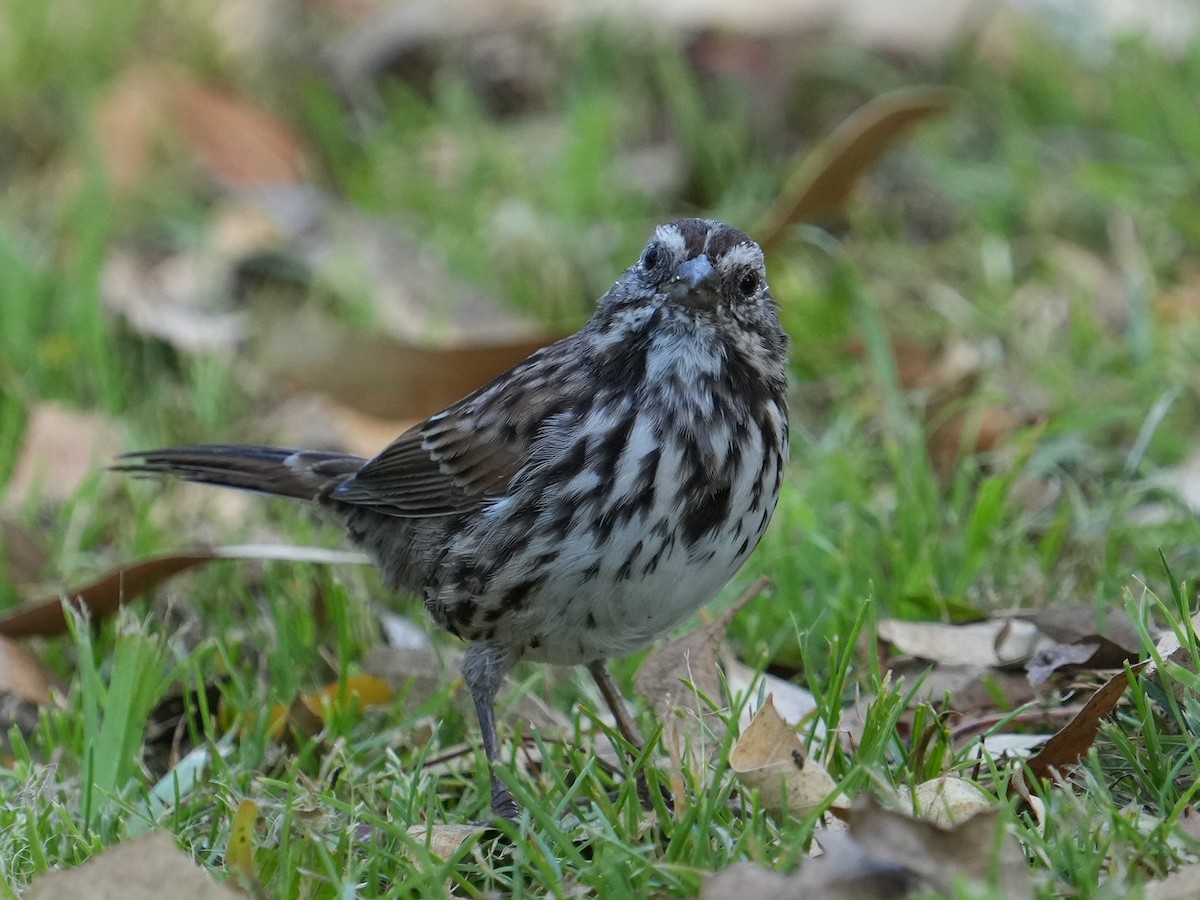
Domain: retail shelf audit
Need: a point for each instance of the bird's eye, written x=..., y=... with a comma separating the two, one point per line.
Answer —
x=650, y=257
x=749, y=284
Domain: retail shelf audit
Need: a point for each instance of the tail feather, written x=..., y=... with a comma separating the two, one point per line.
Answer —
x=303, y=474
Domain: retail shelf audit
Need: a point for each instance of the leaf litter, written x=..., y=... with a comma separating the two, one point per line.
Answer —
x=143, y=868
x=770, y=759
x=889, y=855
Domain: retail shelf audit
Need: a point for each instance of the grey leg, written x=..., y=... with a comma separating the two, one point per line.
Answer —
x=483, y=669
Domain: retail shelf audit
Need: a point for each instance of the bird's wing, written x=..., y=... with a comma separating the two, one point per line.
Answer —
x=456, y=459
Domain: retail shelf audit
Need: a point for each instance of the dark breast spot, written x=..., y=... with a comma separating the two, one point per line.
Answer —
x=626, y=570
x=517, y=596
x=706, y=513
x=609, y=449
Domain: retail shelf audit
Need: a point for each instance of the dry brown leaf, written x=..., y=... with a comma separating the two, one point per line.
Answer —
x=673, y=678
x=887, y=856
x=380, y=375
x=971, y=432
x=995, y=643
x=295, y=723
x=1072, y=623
x=1189, y=823
x=148, y=867
x=770, y=759
x=822, y=182
x=128, y=121
x=444, y=840
x=941, y=857
x=60, y=450
x=178, y=298
x=235, y=140
x=1182, y=884
x=948, y=800
x=1083, y=637
x=1074, y=739
x=106, y=594
x=25, y=556
x=22, y=675
x=972, y=690
x=946, y=376
x=843, y=872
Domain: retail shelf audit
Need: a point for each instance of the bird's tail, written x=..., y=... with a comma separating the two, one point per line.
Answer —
x=304, y=474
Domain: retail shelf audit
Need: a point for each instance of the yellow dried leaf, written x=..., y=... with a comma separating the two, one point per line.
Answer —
x=239, y=855
x=770, y=759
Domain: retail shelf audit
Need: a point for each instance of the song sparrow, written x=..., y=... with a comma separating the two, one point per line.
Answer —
x=586, y=501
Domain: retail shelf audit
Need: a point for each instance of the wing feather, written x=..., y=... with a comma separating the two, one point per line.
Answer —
x=455, y=460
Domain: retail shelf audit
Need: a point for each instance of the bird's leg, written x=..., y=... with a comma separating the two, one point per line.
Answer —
x=625, y=724
x=483, y=669
x=616, y=703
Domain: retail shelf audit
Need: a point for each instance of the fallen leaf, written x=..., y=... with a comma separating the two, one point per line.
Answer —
x=887, y=856
x=23, y=676
x=239, y=853
x=971, y=689
x=842, y=872
x=1071, y=623
x=944, y=377
x=108, y=593
x=144, y=868
x=983, y=429
x=940, y=857
x=948, y=800
x=179, y=298
x=821, y=183
x=60, y=450
x=1073, y=741
x=1182, y=884
x=1189, y=823
x=996, y=642
x=128, y=120
x=378, y=374
x=1052, y=657
x=232, y=138
x=237, y=141
x=444, y=840
x=770, y=759
x=25, y=555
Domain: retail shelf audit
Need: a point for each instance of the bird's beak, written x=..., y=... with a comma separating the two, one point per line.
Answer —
x=696, y=284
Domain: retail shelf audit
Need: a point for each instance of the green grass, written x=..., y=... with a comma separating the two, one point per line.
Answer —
x=959, y=234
